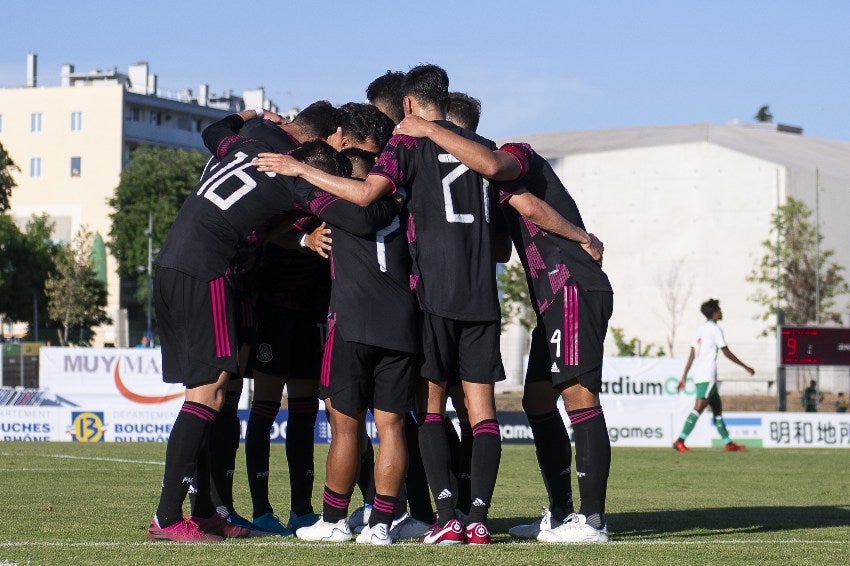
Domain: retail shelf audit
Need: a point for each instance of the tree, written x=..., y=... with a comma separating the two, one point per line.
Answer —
x=633, y=347
x=763, y=114
x=675, y=290
x=76, y=297
x=515, y=298
x=26, y=261
x=156, y=181
x=7, y=183
x=787, y=273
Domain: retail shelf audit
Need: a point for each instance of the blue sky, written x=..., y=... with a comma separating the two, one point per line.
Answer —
x=537, y=66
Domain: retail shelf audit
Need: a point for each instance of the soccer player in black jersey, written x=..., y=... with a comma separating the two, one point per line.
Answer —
x=450, y=234
x=370, y=360
x=194, y=304
x=573, y=300
x=293, y=326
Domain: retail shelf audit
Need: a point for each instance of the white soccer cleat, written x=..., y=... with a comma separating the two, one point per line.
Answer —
x=407, y=527
x=377, y=535
x=531, y=531
x=359, y=518
x=574, y=529
x=322, y=531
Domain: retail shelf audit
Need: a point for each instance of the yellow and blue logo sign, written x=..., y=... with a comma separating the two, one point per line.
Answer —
x=87, y=427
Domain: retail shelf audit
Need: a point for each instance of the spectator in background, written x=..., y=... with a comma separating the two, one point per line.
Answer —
x=841, y=403
x=812, y=398
x=144, y=342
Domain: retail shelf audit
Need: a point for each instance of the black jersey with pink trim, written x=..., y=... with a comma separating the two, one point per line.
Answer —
x=548, y=260
x=371, y=299
x=450, y=229
x=230, y=200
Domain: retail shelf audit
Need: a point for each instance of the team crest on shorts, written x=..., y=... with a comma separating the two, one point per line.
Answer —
x=264, y=353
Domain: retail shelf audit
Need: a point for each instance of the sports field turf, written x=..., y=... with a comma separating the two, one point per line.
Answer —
x=63, y=503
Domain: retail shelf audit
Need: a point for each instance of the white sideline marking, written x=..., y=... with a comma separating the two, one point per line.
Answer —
x=63, y=470
x=91, y=458
x=301, y=544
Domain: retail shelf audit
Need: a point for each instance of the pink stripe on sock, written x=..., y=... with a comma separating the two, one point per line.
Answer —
x=585, y=415
x=383, y=506
x=201, y=412
x=433, y=418
x=266, y=409
x=336, y=502
x=486, y=428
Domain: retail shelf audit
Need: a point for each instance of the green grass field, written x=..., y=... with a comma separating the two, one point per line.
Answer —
x=91, y=503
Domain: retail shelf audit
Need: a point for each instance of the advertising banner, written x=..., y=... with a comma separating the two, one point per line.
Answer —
x=117, y=395
x=106, y=377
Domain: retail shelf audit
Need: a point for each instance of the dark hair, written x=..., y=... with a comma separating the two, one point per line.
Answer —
x=318, y=121
x=361, y=160
x=319, y=154
x=709, y=307
x=463, y=110
x=268, y=132
x=362, y=122
x=428, y=84
x=387, y=90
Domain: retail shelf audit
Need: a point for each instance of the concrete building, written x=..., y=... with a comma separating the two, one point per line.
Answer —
x=696, y=201
x=72, y=140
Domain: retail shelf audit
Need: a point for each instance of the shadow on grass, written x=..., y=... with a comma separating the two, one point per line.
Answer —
x=720, y=521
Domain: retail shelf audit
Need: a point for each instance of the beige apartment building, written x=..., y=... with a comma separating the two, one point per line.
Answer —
x=71, y=141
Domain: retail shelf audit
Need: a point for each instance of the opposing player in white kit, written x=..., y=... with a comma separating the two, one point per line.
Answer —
x=703, y=361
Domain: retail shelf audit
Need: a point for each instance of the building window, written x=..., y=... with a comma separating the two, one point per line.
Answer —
x=156, y=118
x=35, y=167
x=35, y=122
x=76, y=121
x=75, y=166
x=134, y=114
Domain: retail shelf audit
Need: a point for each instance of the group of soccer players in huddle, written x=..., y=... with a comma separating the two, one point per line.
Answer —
x=350, y=255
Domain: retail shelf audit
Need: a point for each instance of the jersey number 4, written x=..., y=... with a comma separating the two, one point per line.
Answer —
x=222, y=177
x=454, y=174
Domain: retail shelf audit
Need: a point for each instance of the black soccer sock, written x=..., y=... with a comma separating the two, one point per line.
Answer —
x=554, y=455
x=334, y=505
x=383, y=509
x=224, y=442
x=435, y=457
x=366, y=472
x=593, y=458
x=181, y=459
x=259, y=427
x=202, y=502
x=486, y=454
x=299, y=452
x=416, y=484
x=464, y=476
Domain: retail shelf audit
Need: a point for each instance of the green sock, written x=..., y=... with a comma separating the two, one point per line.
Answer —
x=690, y=422
x=721, y=428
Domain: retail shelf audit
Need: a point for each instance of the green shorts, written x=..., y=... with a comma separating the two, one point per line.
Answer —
x=707, y=390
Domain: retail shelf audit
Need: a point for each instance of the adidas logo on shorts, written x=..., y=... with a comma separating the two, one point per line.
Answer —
x=555, y=368
x=445, y=494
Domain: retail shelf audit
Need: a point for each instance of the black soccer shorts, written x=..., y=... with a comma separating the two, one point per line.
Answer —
x=567, y=343
x=197, y=327
x=461, y=349
x=356, y=376
x=289, y=342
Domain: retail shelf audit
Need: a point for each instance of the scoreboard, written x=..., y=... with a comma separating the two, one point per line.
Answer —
x=805, y=346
